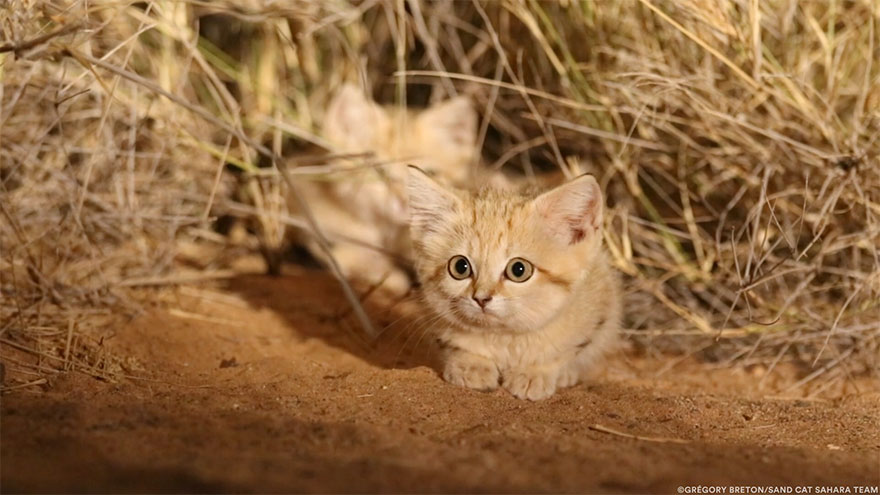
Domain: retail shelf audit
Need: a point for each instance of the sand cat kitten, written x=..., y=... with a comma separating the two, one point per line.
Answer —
x=365, y=208
x=527, y=298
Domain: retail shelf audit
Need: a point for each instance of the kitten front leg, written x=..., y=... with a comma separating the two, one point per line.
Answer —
x=532, y=383
x=470, y=370
x=591, y=351
x=366, y=265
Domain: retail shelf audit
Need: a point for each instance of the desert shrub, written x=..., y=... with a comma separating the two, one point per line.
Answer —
x=738, y=143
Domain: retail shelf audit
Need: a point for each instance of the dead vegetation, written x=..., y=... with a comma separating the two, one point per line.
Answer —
x=738, y=142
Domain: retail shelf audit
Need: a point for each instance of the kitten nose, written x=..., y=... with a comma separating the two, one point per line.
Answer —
x=482, y=301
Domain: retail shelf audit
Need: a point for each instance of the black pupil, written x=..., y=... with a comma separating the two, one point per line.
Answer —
x=461, y=266
x=518, y=269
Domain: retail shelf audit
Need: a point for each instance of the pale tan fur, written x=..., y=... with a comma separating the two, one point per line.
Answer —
x=535, y=336
x=364, y=208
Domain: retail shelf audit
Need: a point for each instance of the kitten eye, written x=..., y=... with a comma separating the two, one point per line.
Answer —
x=519, y=270
x=459, y=267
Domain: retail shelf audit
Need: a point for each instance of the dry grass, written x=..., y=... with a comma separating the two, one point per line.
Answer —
x=739, y=143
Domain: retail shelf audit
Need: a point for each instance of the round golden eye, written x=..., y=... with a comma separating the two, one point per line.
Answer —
x=459, y=267
x=519, y=270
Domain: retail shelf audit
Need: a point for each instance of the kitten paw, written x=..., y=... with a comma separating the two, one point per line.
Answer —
x=373, y=270
x=471, y=371
x=569, y=376
x=397, y=283
x=531, y=384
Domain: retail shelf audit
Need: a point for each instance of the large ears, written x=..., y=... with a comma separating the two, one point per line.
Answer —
x=429, y=202
x=352, y=120
x=572, y=212
x=451, y=124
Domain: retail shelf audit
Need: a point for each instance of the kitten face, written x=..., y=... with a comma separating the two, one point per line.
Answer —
x=501, y=261
x=440, y=139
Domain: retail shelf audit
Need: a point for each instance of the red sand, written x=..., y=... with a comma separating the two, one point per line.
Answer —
x=258, y=388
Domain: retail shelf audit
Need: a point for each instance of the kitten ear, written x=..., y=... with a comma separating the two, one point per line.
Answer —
x=429, y=202
x=572, y=212
x=451, y=125
x=352, y=120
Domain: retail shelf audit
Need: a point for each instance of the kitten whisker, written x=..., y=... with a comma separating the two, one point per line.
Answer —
x=426, y=321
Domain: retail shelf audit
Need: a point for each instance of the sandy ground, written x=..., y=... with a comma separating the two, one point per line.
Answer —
x=258, y=387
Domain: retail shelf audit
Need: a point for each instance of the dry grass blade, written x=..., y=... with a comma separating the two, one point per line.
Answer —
x=21, y=46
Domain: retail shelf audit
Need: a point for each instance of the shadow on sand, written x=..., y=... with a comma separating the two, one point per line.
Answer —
x=313, y=305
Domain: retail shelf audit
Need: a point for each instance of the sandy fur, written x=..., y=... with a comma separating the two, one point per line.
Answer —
x=533, y=337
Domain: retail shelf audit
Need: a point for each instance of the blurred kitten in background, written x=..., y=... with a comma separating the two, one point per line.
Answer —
x=362, y=205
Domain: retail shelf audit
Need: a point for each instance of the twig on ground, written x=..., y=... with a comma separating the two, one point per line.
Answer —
x=611, y=431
